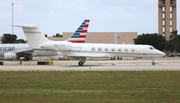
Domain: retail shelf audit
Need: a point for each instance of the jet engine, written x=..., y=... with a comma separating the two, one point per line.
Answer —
x=10, y=56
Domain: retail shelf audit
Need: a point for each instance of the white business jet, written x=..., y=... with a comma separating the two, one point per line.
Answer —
x=88, y=50
x=15, y=51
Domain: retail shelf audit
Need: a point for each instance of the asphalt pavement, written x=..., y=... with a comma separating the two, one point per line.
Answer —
x=162, y=64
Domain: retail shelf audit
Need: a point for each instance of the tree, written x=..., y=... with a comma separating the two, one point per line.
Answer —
x=158, y=41
x=58, y=35
x=173, y=45
x=177, y=47
x=174, y=33
x=8, y=38
x=20, y=41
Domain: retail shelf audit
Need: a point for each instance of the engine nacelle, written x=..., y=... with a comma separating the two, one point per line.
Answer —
x=10, y=56
x=62, y=46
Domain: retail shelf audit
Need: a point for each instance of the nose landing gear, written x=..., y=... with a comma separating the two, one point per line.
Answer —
x=153, y=63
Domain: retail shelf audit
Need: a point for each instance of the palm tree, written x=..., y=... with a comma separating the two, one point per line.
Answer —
x=174, y=33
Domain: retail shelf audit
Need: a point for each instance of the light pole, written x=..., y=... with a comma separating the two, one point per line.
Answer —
x=12, y=20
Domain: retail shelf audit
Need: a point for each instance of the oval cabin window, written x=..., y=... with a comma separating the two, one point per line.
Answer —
x=93, y=49
x=132, y=50
x=112, y=49
x=119, y=49
x=126, y=50
x=99, y=49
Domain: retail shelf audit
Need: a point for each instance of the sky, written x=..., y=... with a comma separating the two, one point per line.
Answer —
x=58, y=16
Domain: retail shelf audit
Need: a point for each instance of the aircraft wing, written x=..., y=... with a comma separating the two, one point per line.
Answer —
x=24, y=52
x=29, y=53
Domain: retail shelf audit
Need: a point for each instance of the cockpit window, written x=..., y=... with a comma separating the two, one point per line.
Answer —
x=151, y=48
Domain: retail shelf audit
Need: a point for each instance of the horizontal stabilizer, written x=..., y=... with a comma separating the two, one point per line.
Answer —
x=26, y=25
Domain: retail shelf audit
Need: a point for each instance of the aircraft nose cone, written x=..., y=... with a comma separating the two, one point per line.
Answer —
x=163, y=54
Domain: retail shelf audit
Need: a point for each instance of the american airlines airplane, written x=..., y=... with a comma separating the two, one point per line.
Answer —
x=88, y=50
x=15, y=51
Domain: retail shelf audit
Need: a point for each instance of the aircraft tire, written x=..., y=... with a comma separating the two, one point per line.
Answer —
x=153, y=63
x=26, y=59
x=80, y=63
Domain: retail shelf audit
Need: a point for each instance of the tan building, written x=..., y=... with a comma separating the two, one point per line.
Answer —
x=103, y=37
x=167, y=17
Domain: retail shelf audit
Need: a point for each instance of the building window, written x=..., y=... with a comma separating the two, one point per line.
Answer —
x=93, y=49
x=106, y=49
x=119, y=49
x=112, y=49
x=99, y=49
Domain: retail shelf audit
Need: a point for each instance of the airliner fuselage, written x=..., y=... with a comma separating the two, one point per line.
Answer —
x=96, y=50
x=112, y=50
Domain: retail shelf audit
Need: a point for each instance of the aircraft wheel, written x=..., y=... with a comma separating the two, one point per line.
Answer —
x=26, y=59
x=80, y=63
x=153, y=63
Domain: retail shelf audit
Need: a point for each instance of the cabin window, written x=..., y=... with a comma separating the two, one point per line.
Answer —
x=106, y=49
x=119, y=49
x=151, y=48
x=99, y=49
x=132, y=50
x=112, y=49
x=126, y=50
x=93, y=49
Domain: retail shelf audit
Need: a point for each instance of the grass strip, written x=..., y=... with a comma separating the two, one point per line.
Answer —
x=90, y=86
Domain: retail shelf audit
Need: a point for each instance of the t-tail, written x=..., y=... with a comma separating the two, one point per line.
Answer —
x=33, y=35
x=79, y=35
x=36, y=38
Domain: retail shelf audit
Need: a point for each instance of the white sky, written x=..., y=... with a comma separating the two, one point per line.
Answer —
x=57, y=16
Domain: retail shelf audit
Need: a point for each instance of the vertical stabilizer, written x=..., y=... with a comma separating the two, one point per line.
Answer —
x=80, y=34
x=33, y=35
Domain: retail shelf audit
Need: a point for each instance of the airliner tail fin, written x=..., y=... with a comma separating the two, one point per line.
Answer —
x=33, y=35
x=80, y=34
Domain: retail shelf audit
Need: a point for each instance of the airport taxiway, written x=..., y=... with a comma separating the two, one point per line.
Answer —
x=165, y=64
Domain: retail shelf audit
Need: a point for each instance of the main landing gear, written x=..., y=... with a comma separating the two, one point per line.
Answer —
x=82, y=61
x=26, y=59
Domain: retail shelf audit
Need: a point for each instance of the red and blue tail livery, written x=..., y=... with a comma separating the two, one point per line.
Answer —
x=80, y=34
